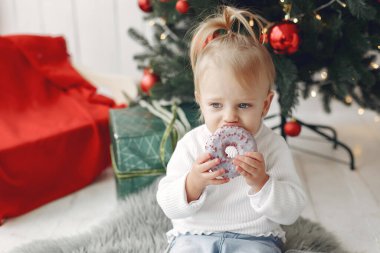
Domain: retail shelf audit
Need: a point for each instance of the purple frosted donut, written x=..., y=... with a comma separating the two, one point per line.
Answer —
x=226, y=143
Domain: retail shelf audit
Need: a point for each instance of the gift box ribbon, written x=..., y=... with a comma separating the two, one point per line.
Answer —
x=131, y=174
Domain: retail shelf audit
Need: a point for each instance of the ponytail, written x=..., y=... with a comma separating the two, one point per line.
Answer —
x=224, y=21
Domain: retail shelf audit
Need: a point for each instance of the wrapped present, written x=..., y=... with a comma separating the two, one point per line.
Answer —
x=141, y=146
x=53, y=124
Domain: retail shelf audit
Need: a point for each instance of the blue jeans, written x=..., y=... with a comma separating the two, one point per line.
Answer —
x=225, y=242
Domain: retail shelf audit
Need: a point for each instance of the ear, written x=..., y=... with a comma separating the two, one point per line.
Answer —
x=267, y=103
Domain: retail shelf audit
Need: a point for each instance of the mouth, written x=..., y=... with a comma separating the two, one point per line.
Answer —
x=232, y=124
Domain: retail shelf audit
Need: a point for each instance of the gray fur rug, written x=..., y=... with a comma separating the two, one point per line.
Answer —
x=139, y=225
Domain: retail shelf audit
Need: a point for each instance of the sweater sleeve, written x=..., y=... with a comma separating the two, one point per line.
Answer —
x=282, y=198
x=171, y=194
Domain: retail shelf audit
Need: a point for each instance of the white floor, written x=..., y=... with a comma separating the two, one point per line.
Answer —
x=346, y=202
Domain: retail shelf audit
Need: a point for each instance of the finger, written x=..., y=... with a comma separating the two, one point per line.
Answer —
x=242, y=172
x=255, y=155
x=247, y=162
x=206, y=166
x=215, y=174
x=246, y=170
x=203, y=158
x=219, y=181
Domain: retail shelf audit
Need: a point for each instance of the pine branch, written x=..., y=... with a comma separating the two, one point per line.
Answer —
x=327, y=96
x=339, y=42
x=361, y=10
x=286, y=83
x=142, y=57
x=139, y=38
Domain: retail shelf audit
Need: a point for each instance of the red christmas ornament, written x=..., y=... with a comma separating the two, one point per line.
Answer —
x=292, y=128
x=145, y=5
x=283, y=38
x=149, y=80
x=182, y=6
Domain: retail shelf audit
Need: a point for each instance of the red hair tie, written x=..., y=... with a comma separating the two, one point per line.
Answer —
x=210, y=38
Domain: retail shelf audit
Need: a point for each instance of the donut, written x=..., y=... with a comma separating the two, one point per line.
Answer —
x=226, y=143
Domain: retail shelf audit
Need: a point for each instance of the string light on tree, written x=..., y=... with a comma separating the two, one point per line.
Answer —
x=330, y=3
x=163, y=36
x=361, y=111
x=374, y=65
x=162, y=23
x=313, y=93
x=348, y=99
x=315, y=11
x=342, y=4
x=251, y=23
x=287, y=7
x=324, y=75
x=302, y=16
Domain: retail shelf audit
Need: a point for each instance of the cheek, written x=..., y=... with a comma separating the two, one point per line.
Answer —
x=252, y=120
x=209, y=115
x=207, y=111
x=211, y=118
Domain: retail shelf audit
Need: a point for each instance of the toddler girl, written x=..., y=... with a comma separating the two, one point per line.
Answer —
x=233, y=74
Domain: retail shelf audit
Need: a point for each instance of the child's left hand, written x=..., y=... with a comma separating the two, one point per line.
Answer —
x=252, y=167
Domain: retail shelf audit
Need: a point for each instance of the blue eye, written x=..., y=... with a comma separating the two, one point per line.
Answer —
x=216, y=105
x=244, y=106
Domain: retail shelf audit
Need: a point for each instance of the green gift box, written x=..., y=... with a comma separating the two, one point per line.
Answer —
x=136, y=136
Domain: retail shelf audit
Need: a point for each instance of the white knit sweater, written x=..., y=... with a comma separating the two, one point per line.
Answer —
x=232, y=206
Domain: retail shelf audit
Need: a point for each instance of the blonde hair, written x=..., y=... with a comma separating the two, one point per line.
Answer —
x=228, y=46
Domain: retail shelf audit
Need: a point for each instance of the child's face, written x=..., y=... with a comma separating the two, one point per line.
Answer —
x=223, y=101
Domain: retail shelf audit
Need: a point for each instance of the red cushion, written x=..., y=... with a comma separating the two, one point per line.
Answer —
x=54, y=136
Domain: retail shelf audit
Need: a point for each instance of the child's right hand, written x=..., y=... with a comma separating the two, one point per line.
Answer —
x=200, y=176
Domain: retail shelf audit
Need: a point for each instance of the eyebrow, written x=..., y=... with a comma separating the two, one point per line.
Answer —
x=239, y=100
x=213, y=98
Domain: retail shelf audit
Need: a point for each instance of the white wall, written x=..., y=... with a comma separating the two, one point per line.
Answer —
x=95, y=30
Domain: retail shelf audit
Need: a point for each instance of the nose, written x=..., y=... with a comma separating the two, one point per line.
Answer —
x=231, y=116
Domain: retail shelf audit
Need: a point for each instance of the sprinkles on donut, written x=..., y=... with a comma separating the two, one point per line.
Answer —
x=228, y=142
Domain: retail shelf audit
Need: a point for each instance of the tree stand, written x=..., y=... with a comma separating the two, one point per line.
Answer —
x=317, y=129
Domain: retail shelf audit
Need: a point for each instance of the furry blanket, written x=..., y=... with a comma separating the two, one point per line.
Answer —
x=138, y=225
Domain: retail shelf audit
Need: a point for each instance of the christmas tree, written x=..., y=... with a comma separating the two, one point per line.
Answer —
x=322, y=46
